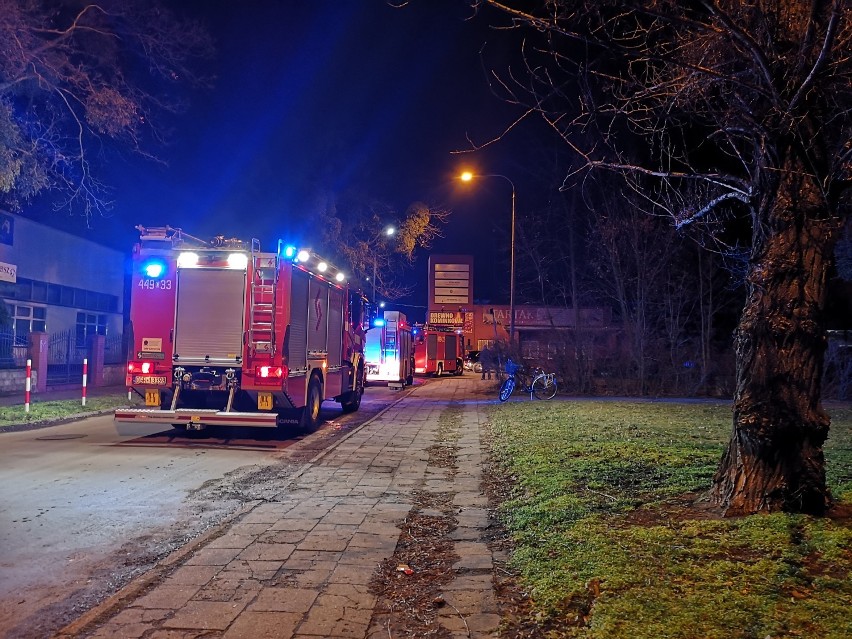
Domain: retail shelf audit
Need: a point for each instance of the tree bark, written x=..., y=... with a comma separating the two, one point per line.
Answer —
x=774, y=460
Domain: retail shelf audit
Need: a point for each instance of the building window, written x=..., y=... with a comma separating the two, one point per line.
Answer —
x=27, y=319
x=90, y=324
x=530, y=349
x=26, y=290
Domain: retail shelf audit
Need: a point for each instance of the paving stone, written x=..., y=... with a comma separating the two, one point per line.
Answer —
x=352, y=574
x=206, y=615
x=267, y=552
x=193, y=575
x=362, y=540
x=296, y=523
x=213, y=556
x=172, y=634
x=294, y=600
x=282, y=536
x=232, y=541
x=263, y=625
x=167, y=595
x=312, y=578
x=478, y=626
x=328, y=541
x=312, y=559
x=330, y=621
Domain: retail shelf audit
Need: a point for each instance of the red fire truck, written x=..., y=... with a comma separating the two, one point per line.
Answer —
x=227, y=335
x=437, y=350
x=389, y=351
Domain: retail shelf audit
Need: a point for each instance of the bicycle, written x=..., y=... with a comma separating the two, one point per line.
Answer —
x=543, y=385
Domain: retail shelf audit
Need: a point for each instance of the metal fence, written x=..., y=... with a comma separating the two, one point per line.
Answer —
x=12, y=355
x=114, y=349
x=64, y=358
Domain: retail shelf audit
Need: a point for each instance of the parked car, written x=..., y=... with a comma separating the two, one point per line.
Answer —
x=471, y=362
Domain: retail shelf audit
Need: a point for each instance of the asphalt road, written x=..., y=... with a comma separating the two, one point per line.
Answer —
x=86, y=506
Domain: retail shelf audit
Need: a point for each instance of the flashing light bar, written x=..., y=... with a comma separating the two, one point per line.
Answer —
x=378, y=322
x=237, y=261
x=311, y=260
x=187, y=260
x=190, y=259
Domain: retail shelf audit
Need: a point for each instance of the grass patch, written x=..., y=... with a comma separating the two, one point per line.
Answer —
x=58, y=409
x=611, y=543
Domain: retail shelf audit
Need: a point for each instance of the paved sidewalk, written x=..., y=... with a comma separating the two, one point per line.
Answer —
x=299, y=564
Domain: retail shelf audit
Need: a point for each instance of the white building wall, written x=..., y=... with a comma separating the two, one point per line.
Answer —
x=50, y=255
x=39, y=252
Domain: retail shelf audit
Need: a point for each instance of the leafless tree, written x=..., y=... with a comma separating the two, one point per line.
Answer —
x=75, y=76
x=355, y=229
x=733, y=116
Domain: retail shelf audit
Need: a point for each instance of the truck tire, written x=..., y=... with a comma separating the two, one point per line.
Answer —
x=459, y=367
x=353, y=398
x=309, y=420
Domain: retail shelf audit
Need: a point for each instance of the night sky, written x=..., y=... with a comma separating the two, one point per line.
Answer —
x=336, y=95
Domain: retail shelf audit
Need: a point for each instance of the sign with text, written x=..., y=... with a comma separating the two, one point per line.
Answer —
x=450, y=284
x=544, y=317
x=8, y=272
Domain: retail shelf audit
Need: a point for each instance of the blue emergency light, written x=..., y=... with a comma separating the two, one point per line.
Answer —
x=154, y=269
x=378, y=322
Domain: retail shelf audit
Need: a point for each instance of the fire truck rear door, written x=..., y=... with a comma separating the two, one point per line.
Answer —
x=209, y=316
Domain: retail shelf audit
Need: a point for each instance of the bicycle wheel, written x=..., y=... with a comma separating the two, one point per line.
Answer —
x=544, y=387
x=506, y=388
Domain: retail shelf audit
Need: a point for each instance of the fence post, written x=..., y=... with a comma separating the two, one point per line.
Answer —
x=96, y=359
x=85, y=375
x=27, y=386
x=38, y=350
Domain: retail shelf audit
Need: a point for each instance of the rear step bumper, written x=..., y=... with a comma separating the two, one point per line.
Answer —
x=196, y=419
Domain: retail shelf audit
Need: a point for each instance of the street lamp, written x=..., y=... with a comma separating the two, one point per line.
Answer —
x=467, y=176
x=387, y=231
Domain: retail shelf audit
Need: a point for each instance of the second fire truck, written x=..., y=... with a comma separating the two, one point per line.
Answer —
x=437, y=350
x=389, y=353
x=227, y=335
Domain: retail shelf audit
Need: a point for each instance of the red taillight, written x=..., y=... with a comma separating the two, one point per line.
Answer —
x=269, y=372
x=143, y=368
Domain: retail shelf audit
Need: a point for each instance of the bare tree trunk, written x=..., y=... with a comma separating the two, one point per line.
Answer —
x=774, y=460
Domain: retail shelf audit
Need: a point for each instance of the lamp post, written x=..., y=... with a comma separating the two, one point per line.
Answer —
x=467, y=176
x=388, y=231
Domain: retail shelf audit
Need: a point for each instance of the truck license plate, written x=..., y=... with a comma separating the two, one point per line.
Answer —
x=149, y=380
x=264, y=401
x=152, y=397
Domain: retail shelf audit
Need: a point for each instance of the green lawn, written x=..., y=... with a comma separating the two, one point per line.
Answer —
x=610, y=543
x=58, y=409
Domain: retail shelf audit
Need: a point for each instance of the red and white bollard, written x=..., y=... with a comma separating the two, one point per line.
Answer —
x=28, y=386
x=85, y=375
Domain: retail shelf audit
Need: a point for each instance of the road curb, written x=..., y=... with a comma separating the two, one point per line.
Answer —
x=150, y=577
x=21, y=427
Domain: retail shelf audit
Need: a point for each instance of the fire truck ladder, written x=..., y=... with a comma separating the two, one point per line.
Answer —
x=262, y=311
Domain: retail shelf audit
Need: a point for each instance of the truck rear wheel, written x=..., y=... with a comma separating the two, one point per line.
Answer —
x=353, y=398
x=310, y=418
